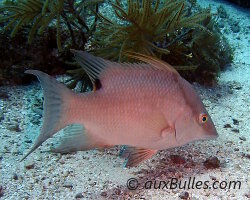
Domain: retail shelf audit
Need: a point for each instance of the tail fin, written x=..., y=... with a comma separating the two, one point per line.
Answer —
x=57, y=97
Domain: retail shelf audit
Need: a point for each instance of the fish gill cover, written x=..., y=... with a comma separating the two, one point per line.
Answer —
x=179, y=32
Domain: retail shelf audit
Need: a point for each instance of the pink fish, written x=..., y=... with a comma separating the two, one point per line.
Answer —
x=147, y=107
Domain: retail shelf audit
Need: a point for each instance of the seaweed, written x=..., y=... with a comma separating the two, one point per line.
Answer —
x=40, y=14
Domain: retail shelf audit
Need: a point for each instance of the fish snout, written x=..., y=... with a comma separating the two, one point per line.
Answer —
x=212, y=133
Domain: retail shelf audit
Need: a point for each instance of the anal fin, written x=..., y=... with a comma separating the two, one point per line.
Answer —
x=136, y=155
x=76, y=138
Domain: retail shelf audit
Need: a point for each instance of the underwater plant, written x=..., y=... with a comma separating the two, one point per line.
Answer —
x=178, y=32
x=40, y=14
x=169, y=30
x=145, y=27
x=212, y=53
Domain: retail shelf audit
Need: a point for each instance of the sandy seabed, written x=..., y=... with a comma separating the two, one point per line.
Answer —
x=101, y=175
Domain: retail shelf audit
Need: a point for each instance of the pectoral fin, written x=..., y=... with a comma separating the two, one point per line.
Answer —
x=136, y=155
x=168, y=132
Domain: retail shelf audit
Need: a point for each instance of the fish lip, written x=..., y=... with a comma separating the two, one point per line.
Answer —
x=212, y=136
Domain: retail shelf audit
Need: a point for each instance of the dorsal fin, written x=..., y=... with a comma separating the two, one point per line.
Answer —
x=154, y=62
x=94, y=65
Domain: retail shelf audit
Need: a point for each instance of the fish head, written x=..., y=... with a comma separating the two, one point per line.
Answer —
x=194, y=122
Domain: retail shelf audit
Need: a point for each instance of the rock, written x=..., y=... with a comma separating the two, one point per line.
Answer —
x=30, y=166
x=235, y=130
x=62, y=161
x=38, y=111
x=246, y=155
x=117, y=191
x=14, y=127
x=79, y=195
x=230, y=91
x=4, y=95
x=35, y=120
x=1, y=116
x=242, y=138
x=1, y=191
x=15, y=176
x=221, y=24
x=104, y=194
x=235, y=122
x=68, y=185
x=184, y=195
x=171, y=170
x=189, y=165
x=222, y=12
x=239, y=87
x=212, y=163
x=246, y=195
x=235, y=28
x=234, y=85
x=218, y=95
x=213, y=178
x=227, y=126
x=176, y=159
x=236, y=149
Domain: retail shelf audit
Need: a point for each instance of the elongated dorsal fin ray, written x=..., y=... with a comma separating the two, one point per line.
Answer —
x=94, y=66
x=154, y=62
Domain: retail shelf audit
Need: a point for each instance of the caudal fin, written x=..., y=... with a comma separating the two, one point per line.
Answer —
x=57, y=97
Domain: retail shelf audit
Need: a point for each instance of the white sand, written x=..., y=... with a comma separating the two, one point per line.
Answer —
x=94, y=172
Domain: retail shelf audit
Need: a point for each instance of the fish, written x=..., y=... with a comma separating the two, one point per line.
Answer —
x=145, y=107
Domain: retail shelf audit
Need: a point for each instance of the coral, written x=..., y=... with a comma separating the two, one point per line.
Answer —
x=221, y=12
x=145, y=28
x=179, y=32
x=39, y=14
x=48, y=24
x=209, y=52
x=192, y=43
x=16, y=56
x=212, y=52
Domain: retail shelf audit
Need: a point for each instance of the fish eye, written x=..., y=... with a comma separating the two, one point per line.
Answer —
x=203, y=118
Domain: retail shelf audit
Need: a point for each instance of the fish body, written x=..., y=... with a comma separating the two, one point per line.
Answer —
x=131, y=107
x=147, y=107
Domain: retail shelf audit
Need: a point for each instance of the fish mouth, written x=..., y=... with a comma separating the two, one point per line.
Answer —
x=211, y=136
x=211, y=133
